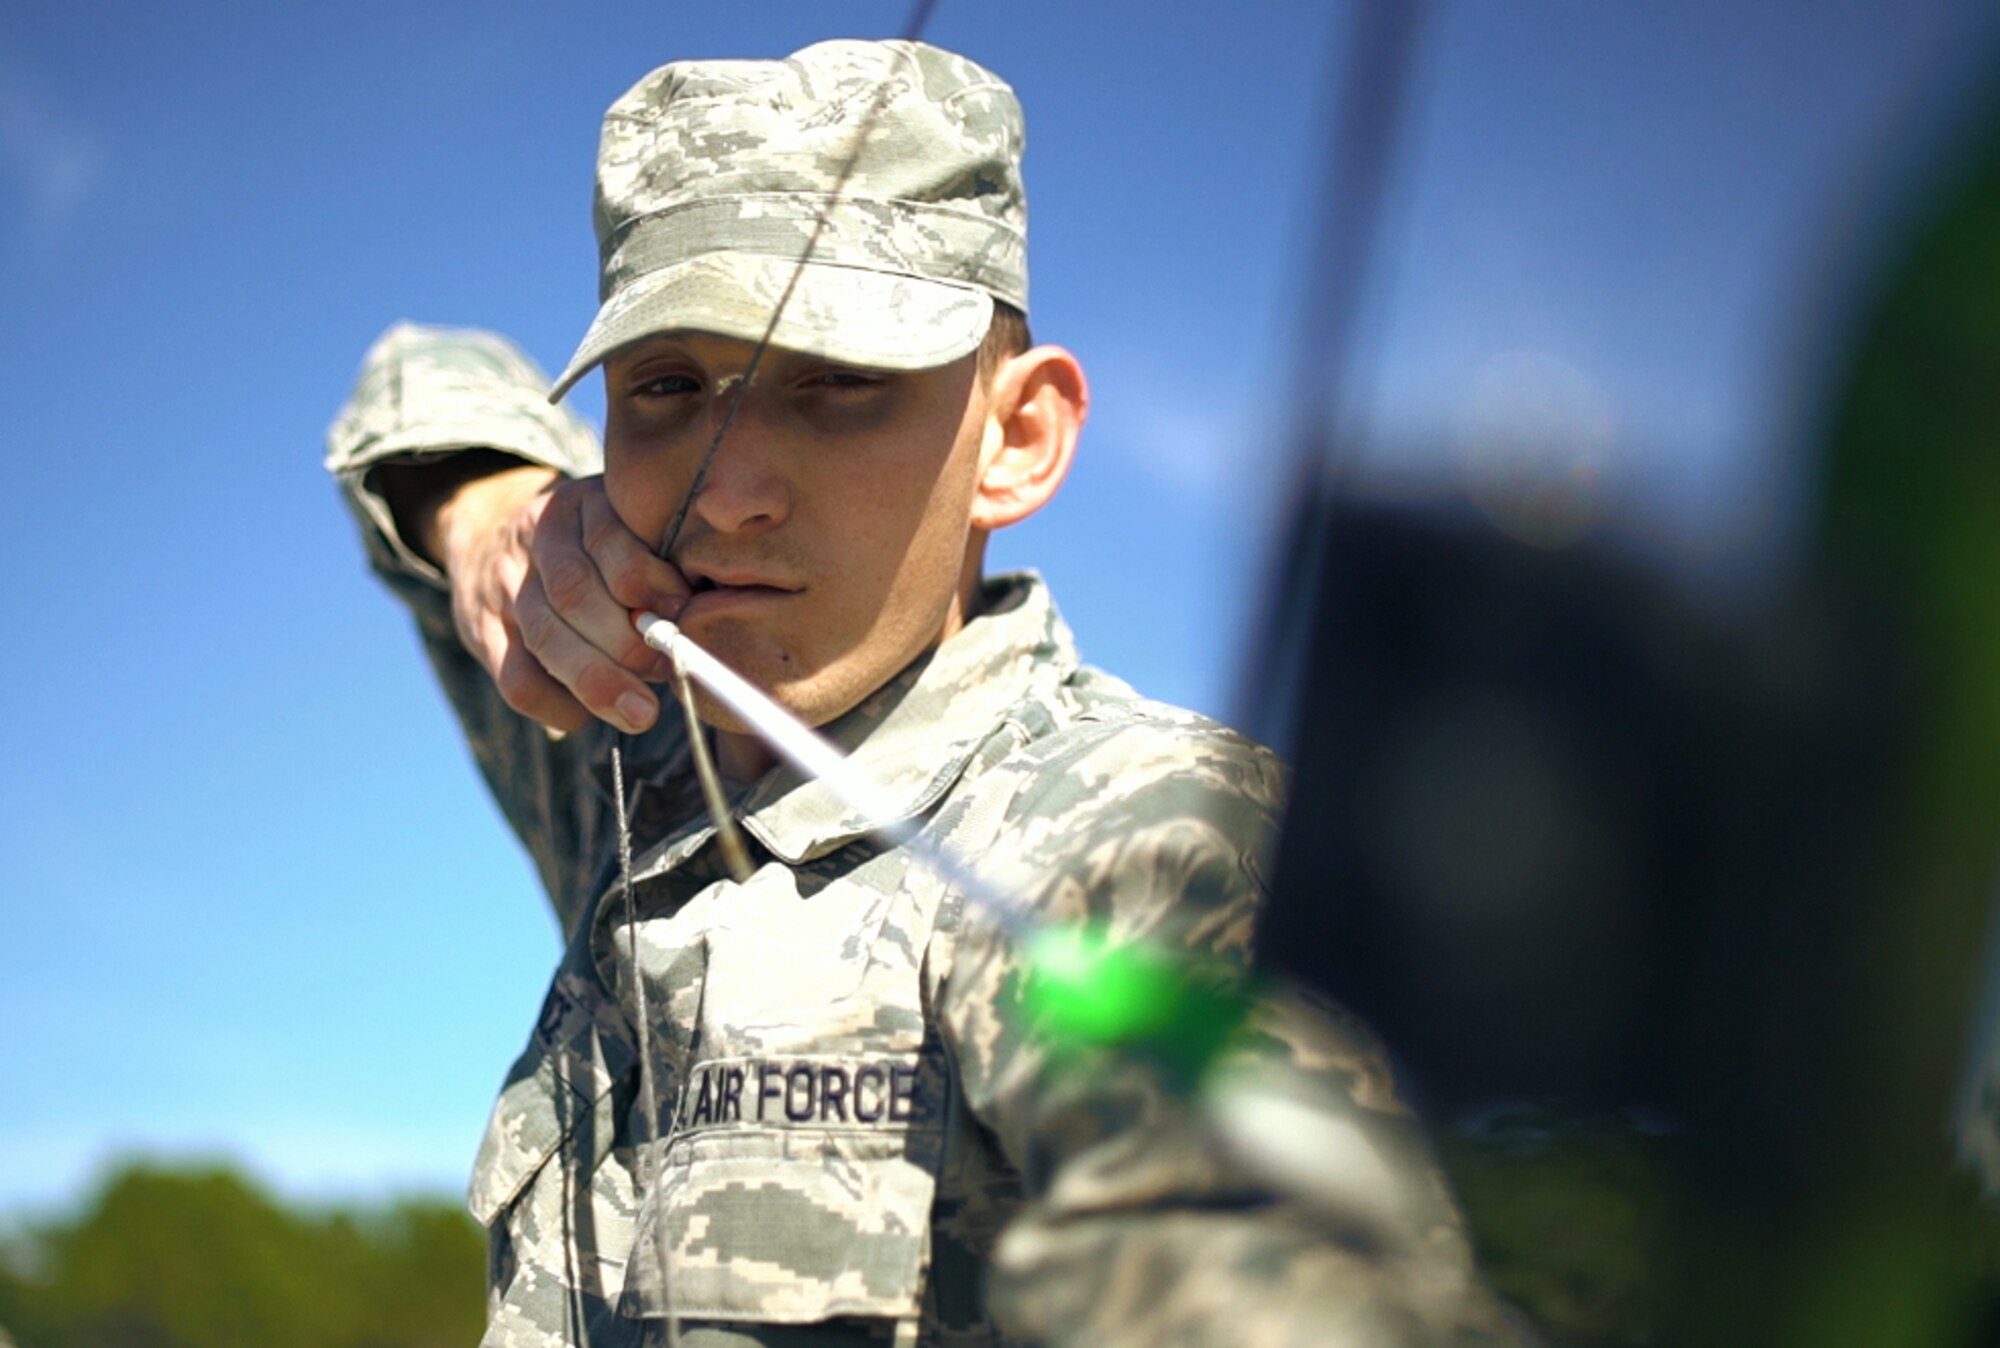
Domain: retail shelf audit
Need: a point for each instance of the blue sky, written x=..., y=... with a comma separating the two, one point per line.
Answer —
x=252, y=899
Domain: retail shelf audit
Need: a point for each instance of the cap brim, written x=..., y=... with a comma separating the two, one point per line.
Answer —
x=849, y=315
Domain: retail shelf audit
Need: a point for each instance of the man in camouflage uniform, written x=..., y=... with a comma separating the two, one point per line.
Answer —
x=856, y=1133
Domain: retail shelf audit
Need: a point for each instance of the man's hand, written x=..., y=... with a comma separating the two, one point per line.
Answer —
x=544, y=576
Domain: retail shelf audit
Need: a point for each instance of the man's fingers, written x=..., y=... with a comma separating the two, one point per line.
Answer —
x=584, y=565
x=584, y=604
x=635, y=575
x=536, y=586
x=528, y=689
x=489, y=642
x=596, y=680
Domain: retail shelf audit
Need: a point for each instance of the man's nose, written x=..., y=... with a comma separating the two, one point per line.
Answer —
x=745, y=489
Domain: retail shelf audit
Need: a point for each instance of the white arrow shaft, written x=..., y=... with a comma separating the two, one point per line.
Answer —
x=818, y=759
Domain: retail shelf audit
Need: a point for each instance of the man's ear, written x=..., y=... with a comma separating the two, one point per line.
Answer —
x=1035, y=408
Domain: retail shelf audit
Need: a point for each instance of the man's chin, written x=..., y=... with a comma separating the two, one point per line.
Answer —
x=817, y=694
x=800, y=695
x=750, y=652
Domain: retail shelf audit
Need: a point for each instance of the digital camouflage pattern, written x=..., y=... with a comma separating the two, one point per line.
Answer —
x=861, y=1135
x=428, y=392
x=896, y=163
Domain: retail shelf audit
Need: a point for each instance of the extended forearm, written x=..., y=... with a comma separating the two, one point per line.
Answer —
x=438, y=502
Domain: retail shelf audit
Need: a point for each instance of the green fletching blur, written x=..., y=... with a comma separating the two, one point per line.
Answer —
x=1093, y=993
x=1088, y=993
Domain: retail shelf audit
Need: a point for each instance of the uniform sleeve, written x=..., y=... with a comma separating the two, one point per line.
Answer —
x=426, y=394
x=429, y=393
x=1155, y=1217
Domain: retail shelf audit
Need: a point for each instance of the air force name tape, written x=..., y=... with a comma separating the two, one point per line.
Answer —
x=818, y=1091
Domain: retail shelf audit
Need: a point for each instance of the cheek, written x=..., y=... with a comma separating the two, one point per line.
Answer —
x=923, y=573
x=644, y=496
x=917, y=518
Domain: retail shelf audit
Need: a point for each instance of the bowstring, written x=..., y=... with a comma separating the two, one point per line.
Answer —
x=1370, y=66
x=652, y=1160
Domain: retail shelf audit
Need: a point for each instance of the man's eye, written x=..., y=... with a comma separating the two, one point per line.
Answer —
x=843, y=380
x=665, y=386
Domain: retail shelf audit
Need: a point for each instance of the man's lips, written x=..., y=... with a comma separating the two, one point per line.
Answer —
x=735, y=580
x=722, y=590
x=739, y=575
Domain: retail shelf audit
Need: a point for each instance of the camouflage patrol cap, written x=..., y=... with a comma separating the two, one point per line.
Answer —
x=712, y=177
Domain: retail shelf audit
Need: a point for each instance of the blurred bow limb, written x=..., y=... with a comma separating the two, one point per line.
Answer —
x=1675, y=900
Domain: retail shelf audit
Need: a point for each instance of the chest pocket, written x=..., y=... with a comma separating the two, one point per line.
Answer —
x=798, y=1175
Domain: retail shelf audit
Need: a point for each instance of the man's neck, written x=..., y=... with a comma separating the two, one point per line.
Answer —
x=741, y=759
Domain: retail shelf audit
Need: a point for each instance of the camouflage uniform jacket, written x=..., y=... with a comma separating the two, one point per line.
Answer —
x=851, y=1104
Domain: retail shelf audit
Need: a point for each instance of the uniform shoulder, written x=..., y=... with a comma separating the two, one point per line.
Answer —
x=1106, y=734
x=1125, y=790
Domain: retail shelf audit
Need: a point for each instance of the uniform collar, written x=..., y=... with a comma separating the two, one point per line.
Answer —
x=913, y=736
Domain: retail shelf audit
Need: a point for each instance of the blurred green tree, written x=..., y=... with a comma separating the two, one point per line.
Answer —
x=166, y=1257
